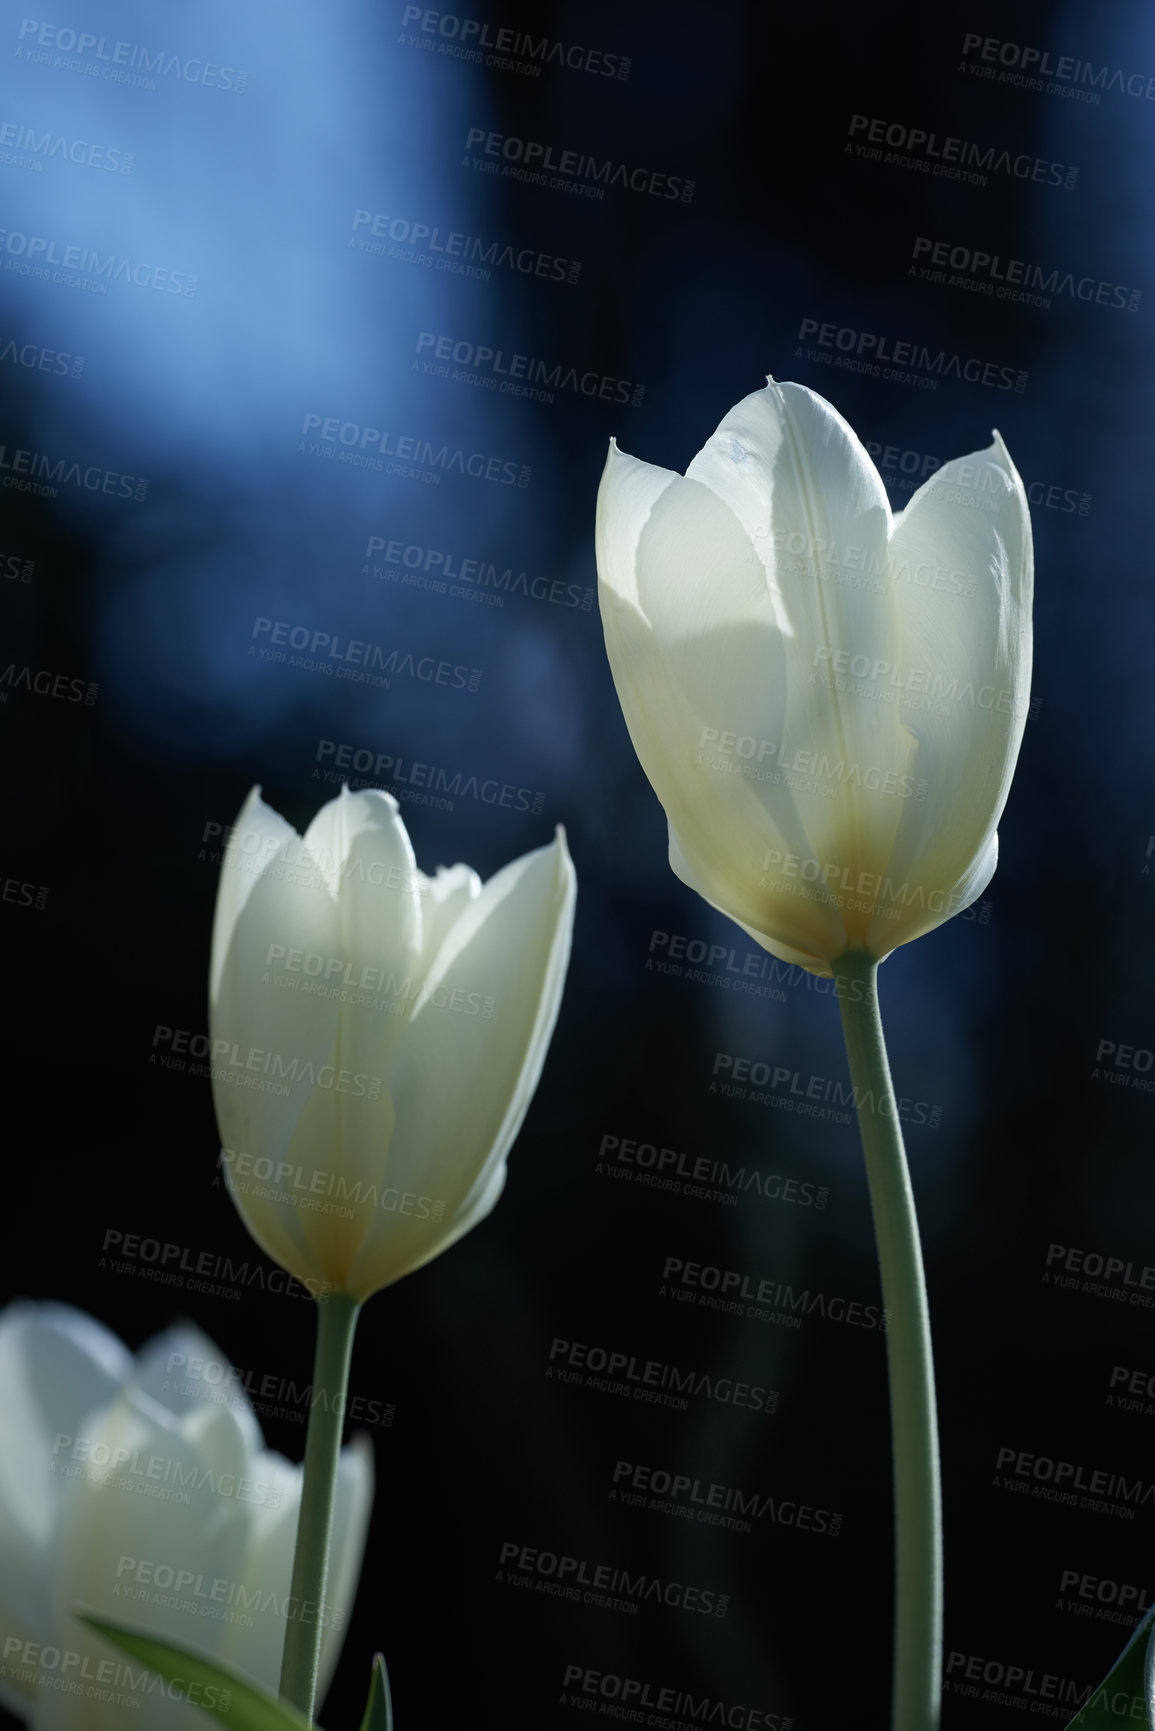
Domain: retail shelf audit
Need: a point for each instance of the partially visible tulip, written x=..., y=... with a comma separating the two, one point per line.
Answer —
x=142, y=1488
x=377, y=1035
x=828, y=700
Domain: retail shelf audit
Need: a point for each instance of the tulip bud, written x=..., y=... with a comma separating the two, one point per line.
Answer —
x=377, y=1035
x=827, y=700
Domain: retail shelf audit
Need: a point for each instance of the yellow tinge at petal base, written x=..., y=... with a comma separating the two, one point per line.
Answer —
x=377, y=1035
x=828, y=700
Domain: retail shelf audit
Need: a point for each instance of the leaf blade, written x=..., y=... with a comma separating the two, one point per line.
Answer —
x=227, y=1697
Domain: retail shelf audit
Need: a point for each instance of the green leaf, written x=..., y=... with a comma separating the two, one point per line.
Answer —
x=216, y=1690
x=1131, y=1678
x=379, y=1706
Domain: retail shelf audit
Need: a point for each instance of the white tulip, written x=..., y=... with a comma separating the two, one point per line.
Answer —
x=827, y=700
x=141, y=1488
x=377, y=1034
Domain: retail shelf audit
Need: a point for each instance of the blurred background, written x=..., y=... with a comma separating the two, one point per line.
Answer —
x=257, y=317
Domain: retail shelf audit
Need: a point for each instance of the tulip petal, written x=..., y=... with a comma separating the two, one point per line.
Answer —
x=257, y=835
x=700, y=666
x=254, y=1642
x=271, y=1031
x=447, y=894
x=352, y=1508
x=815, y=511
x=962, y=561
x=463, y=1078
x=145, y=1505
x=56, y=1364
x=183, y=1371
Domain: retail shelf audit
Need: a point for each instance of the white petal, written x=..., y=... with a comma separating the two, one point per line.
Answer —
x=271, y=1031
x=351, y=1510
x=182, y=1369
x=463, y=1077
x=56, y=1366
x=258, y=834
x=254, y=1637
x=446, y=897
x=703, y=672
x=149, y=1498
x=963, y=565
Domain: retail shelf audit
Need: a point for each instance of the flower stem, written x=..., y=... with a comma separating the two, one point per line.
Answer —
x=336, y=1324
x=917, y=1693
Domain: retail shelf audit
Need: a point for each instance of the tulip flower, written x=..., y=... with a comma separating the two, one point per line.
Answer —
x=377, y=1036
x=142, y=1488
x=827, y=700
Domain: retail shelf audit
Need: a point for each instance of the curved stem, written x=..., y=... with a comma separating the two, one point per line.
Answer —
x=917, y=1695
x=336, y=1323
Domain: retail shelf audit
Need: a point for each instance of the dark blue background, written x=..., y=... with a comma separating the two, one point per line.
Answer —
x=995, y=1020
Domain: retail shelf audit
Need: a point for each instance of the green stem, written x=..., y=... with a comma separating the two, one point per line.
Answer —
x=336, y=1323
x=917, y=1694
